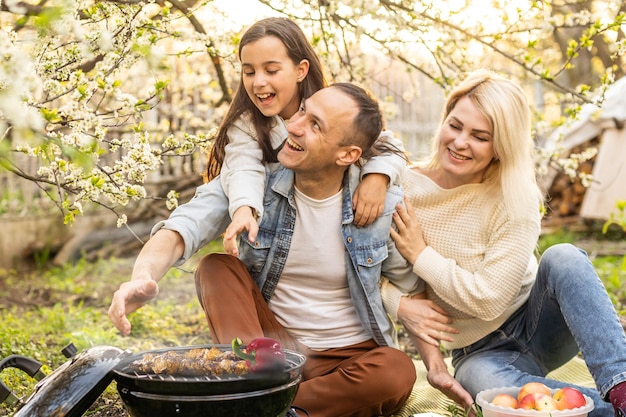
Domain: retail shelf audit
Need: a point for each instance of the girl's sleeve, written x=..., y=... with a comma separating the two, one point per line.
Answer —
x=390, y=164
x=243, y=173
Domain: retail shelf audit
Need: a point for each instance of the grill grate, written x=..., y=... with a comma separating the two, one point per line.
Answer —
x=181, y=378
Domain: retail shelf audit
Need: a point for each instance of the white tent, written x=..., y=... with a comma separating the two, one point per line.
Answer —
x=607, y=123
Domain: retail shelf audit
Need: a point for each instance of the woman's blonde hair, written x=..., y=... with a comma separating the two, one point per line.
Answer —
x=512, y=172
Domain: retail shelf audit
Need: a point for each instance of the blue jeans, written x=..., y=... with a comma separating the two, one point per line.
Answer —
x=568, y=311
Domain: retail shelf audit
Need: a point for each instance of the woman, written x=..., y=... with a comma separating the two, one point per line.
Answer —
x=470, y=229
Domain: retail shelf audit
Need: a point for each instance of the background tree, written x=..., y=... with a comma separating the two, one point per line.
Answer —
x=100, y=93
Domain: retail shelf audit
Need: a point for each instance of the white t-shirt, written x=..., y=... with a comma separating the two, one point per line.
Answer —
x=312, y=299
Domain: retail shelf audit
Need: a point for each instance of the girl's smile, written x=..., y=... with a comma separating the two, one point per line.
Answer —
x=271, y=78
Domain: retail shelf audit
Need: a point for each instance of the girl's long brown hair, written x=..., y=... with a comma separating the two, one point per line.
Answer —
x=298, y=48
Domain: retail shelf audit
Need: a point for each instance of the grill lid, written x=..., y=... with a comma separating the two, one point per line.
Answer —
x=71, y=389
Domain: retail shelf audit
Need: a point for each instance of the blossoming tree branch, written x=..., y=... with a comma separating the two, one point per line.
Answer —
x=99, y=94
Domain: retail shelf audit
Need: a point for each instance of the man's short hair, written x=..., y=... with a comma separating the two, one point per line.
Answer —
x=368, y=122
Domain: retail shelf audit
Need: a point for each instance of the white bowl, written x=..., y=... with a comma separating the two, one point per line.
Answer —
x=484, y=398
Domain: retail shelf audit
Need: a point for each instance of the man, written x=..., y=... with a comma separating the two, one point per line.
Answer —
x=311, y=277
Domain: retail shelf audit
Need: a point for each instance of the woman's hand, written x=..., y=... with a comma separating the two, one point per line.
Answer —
x=425, y=319
x=438, y=375
x=408, y=236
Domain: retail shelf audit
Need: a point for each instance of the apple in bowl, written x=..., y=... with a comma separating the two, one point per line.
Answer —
x=567, y=398
x=537, y=401
x=533, y=388
x=504, y=400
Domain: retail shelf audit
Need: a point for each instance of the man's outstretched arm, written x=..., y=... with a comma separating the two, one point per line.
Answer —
x=157, y=256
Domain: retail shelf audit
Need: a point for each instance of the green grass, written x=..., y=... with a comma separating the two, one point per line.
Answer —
x=45, y=309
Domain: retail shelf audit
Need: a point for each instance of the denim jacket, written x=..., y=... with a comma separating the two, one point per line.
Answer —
x=369, y=253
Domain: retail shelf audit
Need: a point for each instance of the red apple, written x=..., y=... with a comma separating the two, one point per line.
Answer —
x=568, y=398
x=527, y=402
x=533, y=387
x=504, y=400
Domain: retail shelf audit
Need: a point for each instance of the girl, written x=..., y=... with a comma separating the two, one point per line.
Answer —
x=279, y=69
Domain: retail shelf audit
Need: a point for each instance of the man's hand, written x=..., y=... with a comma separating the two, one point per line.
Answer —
x=129, y=297
x=243, y=219
x=368, y=201
x=439, y=377
x=444, y=382
x=425, y=319
x=154, y=260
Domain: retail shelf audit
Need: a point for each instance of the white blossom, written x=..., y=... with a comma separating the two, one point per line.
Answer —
x=122, y=220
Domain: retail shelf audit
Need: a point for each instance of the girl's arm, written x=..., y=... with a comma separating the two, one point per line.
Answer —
x=243, y=179
x=243, y=173
x=389, y=163
x=378, y=172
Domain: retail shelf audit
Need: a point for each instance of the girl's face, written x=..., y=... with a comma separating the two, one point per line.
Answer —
x=271, y=78
x=465, y=145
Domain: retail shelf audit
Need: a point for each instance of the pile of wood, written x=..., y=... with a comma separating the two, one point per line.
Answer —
x=565, y=195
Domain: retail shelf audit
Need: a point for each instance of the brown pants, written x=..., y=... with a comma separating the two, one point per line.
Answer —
x=362, y=380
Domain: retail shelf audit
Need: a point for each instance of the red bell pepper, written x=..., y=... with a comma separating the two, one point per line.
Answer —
x=261, y=354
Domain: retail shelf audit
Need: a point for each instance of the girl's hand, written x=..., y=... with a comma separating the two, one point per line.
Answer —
x=425, y=319
x=408, y=236
x=243, y=219
x=368, y=200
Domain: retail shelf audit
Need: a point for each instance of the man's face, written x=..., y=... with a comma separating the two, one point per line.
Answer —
x=317, y=131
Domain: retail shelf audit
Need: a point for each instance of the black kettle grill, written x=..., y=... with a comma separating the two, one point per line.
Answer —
x=72, y=388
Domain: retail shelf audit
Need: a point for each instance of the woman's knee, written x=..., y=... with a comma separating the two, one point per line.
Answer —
x=492, y=369
x=562, y=254
x=567, y=264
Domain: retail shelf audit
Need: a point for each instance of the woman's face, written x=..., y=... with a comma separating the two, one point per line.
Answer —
x=465, y=145
x=271, y=78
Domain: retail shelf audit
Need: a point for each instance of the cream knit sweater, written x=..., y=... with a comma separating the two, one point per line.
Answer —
x=479, y=265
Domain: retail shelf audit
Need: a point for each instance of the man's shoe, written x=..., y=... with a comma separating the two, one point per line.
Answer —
x=618, y=412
